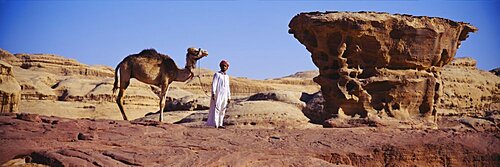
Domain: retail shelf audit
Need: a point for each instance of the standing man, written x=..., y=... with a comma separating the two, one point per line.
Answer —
x=220, y=96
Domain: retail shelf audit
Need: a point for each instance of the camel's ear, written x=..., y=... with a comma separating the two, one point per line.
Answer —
x=190, y=50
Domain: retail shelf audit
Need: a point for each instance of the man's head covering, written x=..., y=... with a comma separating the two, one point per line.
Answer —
x=224, y=62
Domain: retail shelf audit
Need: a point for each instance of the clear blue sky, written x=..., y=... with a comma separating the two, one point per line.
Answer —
x=252, y=35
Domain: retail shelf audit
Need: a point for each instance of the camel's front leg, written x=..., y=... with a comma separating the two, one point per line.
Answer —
x=163, y=93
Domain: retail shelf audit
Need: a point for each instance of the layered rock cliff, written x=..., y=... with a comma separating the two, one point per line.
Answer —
x=379, y=63
x=468, y=90
x=52, y=64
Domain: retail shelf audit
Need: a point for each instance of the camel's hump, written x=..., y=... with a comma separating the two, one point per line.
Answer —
x=149, y=51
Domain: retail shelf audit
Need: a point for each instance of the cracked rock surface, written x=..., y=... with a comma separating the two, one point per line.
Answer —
x=57, y=141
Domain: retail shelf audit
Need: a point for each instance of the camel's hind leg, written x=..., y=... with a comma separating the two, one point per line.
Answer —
x=163, y=93
x=124, y=82
x=119, y=101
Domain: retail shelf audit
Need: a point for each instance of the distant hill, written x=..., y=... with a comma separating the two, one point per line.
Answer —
x=303, y=74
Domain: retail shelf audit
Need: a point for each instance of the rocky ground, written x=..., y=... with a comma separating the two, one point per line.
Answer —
x=57, y=141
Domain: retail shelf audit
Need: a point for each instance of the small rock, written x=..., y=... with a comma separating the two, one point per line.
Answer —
x=50, y=121
x=82, y=136
x=29, y=117
x=146, y=123
x=275, y=138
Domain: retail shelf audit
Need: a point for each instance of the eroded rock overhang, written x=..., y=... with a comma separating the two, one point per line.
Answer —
x=379, y=63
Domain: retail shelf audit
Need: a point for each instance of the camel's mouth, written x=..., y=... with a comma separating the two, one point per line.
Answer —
x=199, y=58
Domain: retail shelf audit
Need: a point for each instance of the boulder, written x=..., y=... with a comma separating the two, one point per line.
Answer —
x=314, y=109
x=187, y=103
x=373, y=62
x=265, y=114
x=203, y=102
x=29, y=117
x=10, y=90
x=281, y=96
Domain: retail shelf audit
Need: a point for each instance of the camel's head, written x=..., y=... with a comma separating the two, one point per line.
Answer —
x=193, y=55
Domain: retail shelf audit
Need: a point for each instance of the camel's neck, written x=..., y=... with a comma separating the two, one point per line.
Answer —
x=191, y=60
x=184, y=75
x=190, y=64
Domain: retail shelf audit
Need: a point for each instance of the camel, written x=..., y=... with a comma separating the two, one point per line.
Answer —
x=153, y=68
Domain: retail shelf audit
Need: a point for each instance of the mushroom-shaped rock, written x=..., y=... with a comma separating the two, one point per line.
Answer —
x=373, y=62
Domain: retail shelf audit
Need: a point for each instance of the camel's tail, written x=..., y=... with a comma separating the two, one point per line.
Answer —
x=115, y=85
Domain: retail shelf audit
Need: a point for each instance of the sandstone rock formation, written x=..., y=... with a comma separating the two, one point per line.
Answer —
x=10, y=91
x=59, y=65
x=7, y=56
x=281, y=96
x=374, y=63
x=468, y=90
x=188, y=103
x=265, y=114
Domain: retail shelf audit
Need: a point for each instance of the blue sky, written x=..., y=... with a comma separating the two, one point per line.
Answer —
x=252, y=35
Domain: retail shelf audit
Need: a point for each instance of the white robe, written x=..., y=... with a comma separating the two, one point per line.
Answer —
x=222, y=93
